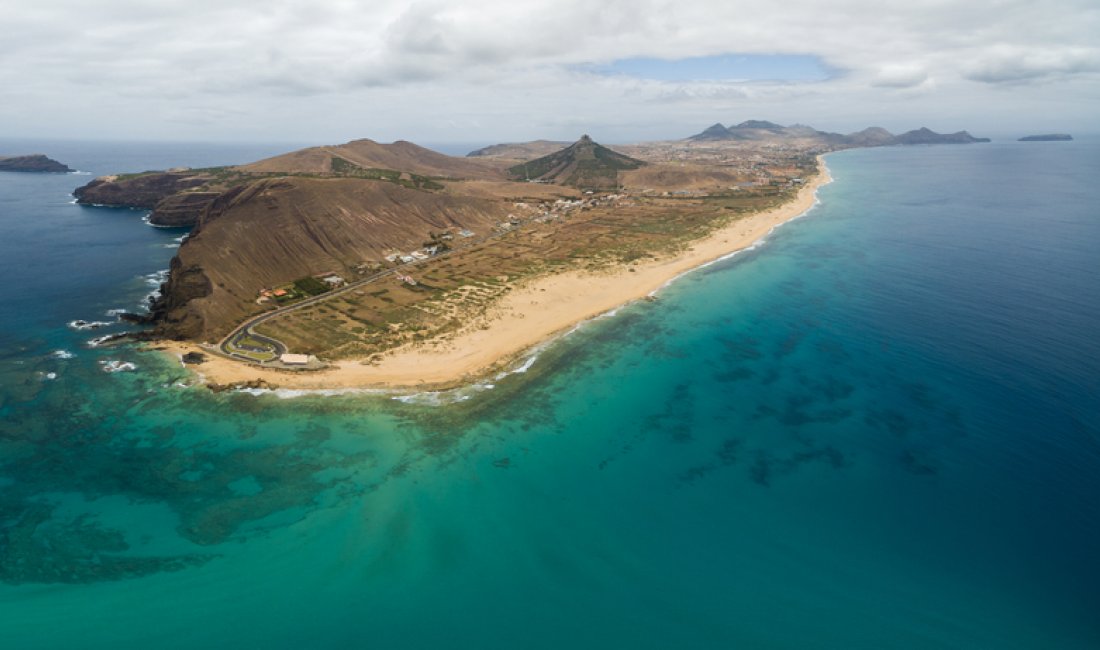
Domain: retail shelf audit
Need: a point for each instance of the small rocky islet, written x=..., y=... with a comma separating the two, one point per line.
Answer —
x=32, y=163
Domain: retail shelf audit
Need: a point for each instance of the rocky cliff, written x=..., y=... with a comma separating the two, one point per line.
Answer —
x=176, y=199
x=142, y=191
x=181, y=210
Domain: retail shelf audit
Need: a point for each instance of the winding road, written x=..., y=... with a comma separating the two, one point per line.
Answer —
x=233, y=341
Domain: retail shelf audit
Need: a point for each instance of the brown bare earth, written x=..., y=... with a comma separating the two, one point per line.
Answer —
x=274, y=231
x=518, y=151
x=368, y=154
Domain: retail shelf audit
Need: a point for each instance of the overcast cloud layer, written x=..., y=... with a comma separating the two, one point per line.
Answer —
x=459, y=71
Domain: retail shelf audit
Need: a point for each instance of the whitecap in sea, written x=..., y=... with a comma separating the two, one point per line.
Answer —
x=82, y=325
x=115, y=365
x=100, y=340
x=154, y=280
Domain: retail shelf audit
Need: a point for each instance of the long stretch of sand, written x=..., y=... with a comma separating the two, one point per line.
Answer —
x=526, y=316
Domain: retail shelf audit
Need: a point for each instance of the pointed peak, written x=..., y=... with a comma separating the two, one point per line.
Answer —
x=584, y=164
x=716, y=131
x=758, y=124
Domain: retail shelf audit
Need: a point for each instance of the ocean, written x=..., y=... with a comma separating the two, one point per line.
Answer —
x=879, y=428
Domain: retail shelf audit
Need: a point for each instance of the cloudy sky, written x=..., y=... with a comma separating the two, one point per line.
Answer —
x=503, y=70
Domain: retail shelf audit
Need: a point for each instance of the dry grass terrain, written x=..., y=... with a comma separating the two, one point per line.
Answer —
x=454, y=290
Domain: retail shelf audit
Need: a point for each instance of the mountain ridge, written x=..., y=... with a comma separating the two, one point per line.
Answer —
x=758, y=130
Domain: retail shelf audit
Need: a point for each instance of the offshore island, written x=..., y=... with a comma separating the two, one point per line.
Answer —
x=32, y=163
x=392, y=265
x=1047, y=137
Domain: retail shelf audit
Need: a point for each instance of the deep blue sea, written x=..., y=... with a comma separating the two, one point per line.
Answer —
x=879, y=429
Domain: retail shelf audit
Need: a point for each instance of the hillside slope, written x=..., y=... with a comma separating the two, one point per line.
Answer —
x=583, y=164
x=400, y=156
x=519, y=150
x=275, y=231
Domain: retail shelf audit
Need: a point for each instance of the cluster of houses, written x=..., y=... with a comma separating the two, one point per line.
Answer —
x=414, y=256
x=288, y=290
x=431, y=250
x=562, y=207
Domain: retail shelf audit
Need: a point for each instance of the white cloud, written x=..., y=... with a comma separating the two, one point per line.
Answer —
x=1015, y=64
x=899, y=76
x=503, y=70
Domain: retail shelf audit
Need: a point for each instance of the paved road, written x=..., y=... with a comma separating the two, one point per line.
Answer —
x=244, y=330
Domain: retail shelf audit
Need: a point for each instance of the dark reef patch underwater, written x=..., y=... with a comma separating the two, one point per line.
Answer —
x=880, y=429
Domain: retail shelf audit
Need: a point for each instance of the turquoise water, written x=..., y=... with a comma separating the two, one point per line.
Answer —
x=879, y=429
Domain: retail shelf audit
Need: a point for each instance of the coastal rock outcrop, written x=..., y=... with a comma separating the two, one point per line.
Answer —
x=142, y=191
x=186, y=282
x=32, y=163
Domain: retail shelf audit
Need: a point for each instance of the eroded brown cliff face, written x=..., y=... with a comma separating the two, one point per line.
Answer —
x=181, y=210
x=185, y=283
x=274, y=231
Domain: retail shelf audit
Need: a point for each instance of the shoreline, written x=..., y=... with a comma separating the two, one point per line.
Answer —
x=528, y=317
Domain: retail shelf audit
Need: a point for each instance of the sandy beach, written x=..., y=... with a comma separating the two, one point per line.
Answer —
x=528, y=315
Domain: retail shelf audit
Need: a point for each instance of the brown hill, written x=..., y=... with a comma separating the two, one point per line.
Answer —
x=691, y=177
x=400, y=156
x=274, y=231
x=584, y=164
x=519, y=150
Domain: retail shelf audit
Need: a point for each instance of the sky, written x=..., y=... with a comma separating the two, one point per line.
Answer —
x=328, y=71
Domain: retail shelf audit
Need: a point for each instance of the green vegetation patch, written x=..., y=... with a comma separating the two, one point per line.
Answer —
x=310, y=286
x=346, y=168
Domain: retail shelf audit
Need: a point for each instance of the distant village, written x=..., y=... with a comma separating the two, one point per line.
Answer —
x=780, y=166
x=324, y=282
